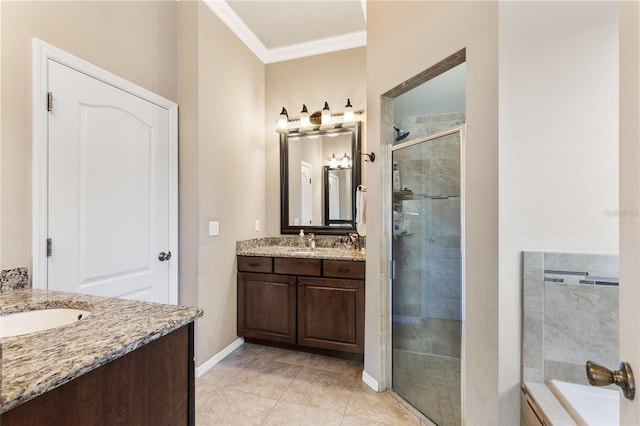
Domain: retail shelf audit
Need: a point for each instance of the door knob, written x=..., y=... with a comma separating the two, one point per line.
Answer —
x=623, y=377
x=164, y=256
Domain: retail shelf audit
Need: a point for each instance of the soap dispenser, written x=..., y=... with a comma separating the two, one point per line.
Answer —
x=301, y=238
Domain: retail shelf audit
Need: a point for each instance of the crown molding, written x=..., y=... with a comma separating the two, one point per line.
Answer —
x=284, y=53
x=238, y=27
x=316, y=47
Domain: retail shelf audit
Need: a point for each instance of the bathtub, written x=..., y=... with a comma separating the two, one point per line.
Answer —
x=588, y=405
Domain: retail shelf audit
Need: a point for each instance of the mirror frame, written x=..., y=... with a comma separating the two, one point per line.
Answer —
x=356, y=164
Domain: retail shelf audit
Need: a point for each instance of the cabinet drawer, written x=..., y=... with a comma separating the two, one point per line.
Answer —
x=255, y=264
x=344, y=269
x=297, y=266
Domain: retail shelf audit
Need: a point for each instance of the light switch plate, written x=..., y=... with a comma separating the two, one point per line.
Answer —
x=214, y=228
x=257, y=227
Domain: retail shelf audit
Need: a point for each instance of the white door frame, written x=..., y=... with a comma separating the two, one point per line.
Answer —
x=41, y=53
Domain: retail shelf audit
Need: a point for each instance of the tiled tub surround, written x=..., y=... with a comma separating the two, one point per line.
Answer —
x=570, y=314
x=327, y=247
x=14, y=278
x=38, y=362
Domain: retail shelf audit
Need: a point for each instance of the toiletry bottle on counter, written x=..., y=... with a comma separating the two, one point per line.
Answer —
x=396, y=178
x=301, y=238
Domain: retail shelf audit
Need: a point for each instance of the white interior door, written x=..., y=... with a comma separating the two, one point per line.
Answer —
x=108, y=188
x=306, y=192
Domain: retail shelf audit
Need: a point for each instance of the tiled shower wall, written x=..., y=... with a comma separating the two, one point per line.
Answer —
x=570, y=314
x=429, y=124
x=427, y=238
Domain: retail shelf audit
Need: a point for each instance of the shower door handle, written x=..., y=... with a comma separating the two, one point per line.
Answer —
x=392, y=269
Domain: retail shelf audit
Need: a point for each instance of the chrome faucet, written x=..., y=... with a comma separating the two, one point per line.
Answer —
x=312, y=241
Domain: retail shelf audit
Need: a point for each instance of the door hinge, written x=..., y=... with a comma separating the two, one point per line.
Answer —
x=49, y=101
x=48, y=247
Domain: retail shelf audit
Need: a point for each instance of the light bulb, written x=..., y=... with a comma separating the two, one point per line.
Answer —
x=283, y=122
x=333, y=162
x=326, y=118
x=305, y=123
x=349, y=119
x=345, y=161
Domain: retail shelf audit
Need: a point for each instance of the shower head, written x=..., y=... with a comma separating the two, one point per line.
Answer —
x=400, y=134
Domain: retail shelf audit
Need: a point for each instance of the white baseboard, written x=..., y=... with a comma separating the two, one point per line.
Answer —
x=370, y=381
x=207, y=365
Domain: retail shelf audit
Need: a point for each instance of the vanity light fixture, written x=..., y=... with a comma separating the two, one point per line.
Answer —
x=349, y=118
x=283, y=122
x=333, y=162
x=326, y=118
x=322, y=120
x=305, y=123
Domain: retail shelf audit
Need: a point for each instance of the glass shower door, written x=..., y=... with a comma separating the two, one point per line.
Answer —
x=427, y=291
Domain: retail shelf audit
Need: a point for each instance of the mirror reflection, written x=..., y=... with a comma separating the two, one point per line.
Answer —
x=319, y=175
x=337, y=196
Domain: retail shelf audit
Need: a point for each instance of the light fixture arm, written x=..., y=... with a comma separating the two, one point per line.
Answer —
x=370, y=157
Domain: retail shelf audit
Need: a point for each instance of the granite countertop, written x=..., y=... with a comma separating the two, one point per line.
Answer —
x=327, y=247
x=304, y=252
x=35, y=363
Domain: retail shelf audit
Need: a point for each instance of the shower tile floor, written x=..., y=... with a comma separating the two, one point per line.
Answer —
x=261, y=385
x=431, y=383
x=426, y=367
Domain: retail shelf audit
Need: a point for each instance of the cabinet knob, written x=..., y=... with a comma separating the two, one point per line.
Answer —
x=254, y=264
x=344, y=270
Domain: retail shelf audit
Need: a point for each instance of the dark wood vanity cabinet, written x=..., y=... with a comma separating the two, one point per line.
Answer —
x=313, y=303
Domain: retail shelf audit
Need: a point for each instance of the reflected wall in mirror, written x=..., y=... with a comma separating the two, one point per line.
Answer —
x=318, y=194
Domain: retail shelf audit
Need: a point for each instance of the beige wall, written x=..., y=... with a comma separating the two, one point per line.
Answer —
x=231, y=170
x=331, y=77
x=629, y=195
x=558, y=146
x=423, y=34
x=135, y=40
x=220, y=87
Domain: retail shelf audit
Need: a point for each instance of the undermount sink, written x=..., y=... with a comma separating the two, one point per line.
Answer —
x=18, y=323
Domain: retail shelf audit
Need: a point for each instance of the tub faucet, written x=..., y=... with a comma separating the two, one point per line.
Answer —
x=312, y=241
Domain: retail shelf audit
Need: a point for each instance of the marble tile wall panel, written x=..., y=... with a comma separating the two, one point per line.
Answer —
x=427, y=125
x=566, y=324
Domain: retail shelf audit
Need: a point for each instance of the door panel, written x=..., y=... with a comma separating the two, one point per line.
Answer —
x=427, y=288
x=108, y=212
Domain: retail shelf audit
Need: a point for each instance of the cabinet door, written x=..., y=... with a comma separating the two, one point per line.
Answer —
x=267, y=307
x=331, y=314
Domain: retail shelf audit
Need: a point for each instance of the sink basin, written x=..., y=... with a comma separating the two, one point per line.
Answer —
x=18, y=323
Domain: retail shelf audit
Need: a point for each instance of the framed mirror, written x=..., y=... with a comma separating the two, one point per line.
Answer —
x=319, y=175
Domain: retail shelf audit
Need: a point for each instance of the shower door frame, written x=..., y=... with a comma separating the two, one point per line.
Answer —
x=388, y=232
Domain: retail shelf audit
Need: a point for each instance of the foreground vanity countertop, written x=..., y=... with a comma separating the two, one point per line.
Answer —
x=330, y=253
x=35, y=363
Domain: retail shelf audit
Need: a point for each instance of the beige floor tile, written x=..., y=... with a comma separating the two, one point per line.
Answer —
x=321, y=389
x=265, y=378
x=229, y=407
x=288, y=414
x=335, y=365
x=355, y=421
x=379, y=407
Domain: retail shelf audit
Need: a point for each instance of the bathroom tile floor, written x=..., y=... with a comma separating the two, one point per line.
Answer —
x=261, y=385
